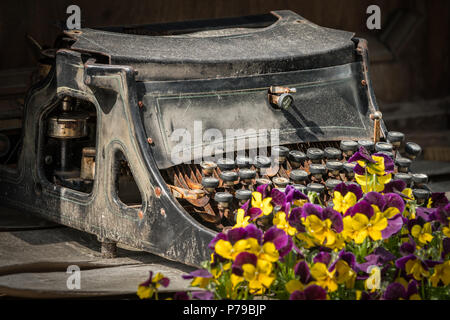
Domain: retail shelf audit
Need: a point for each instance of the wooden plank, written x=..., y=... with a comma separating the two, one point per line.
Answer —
x=114, y=281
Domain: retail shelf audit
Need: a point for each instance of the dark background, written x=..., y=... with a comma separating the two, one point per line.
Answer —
x=409, y=55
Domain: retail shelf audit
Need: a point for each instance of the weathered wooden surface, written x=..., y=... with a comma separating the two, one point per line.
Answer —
x=34, y=258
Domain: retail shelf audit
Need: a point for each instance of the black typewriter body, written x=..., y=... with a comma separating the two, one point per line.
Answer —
x=98, y=140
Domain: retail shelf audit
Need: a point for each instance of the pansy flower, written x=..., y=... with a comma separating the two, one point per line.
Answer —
x=257, y=272
x=363, y=222
x=345, y=196
x=402, y=290
x=346, y=270
x=264, y=204
x=437, y=199
x=391, y=206
x=322, y=223
x=200, y=278
x=441, y=274
x=241, y=219
x=311, y=292
x=415, y=267
x=372, y=172
x=323, y=277
x=151, y=285
x=281, y=241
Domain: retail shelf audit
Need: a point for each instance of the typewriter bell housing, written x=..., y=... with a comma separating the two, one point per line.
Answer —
x=97, y=151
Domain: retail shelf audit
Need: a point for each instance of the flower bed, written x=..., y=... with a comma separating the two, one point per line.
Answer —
x=373, y=241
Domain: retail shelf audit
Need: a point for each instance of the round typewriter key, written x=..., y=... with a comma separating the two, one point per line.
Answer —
x=226, y=164
x=279, y=153
x=334, y=167
x=331, y=184
x=349, y=147
x=317, y=170
x=407, y=178
x=229, y=177
x=388, y=153
x=297, y=158
x=298, y=176
x=247, y=174
x=223, y=198
x=383, y=147
x=316, y=187
x=261, y=182
x=412, y=150
x=207, y=167
x=243, y=162
x=210, y=183
x=332, y=153
x=243, y=195
x=348, y=167
x=421, y=195
x=403, y=164
x=300, y=187
x=395, y=138
x=419, y=179
x=262, y=162
x=280, y=182
x=315, y=155
x=367, y=144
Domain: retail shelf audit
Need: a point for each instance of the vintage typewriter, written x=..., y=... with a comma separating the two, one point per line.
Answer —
x=98, y=143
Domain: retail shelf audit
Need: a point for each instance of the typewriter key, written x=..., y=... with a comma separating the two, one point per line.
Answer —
x=331, y=184
x=407, y=178
x=419, y=179
x=315, y=155
x=383, y=147
x=262, y=181
x=243, y=196
x=403, y=164
x=316, y=187
x=301, y=187
x=280, y=182
x=348, y=167
x=279, y=153
x=223, y=199
x=247, y=175
x=243, y=162
x=421, y=195
x=395, y=138
x=332, y=153
x=207, y=167
x=334, y=167
x=317, y=171
x=297, y=158
x=367, y=144
x=210, y=183
x=226, y=164
x=229, y=177
x=349, y=147
x=298, y=176
x=412, y=150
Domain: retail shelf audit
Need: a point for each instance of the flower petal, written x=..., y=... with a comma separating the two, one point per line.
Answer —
x=394, y=225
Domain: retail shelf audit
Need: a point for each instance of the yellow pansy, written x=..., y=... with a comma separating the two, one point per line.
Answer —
x=323, y=277
x=264, y=204
x=280, y=222
x=422, y=234
x=342, y=204
x=365, y=227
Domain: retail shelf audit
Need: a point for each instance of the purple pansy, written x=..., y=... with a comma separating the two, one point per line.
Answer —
x=323, y=214
x=301, y=269
x=241, y=259
x=200, y=273
x=344, y=188
x=294, y=219
x=312, y=292
x=396, y=291
x=202, y=295
x=380, y=257
x=322, y=257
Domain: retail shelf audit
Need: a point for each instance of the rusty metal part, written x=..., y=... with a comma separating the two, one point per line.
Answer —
x=281, y=90
x=376, y=117
x=198, y=195
x=87, y=171
x=68, y=126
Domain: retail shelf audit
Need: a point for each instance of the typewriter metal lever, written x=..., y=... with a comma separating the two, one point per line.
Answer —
x=281, y=96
